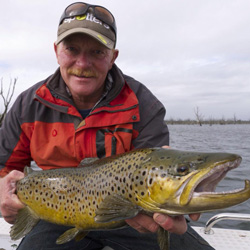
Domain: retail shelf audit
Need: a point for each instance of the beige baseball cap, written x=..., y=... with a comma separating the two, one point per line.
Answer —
x=88, y=23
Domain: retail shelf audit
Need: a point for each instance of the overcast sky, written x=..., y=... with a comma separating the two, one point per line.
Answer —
x=189, y=53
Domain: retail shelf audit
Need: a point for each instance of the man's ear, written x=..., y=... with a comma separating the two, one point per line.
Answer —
x=55, y=48
x=114, y=56
x=56, y=51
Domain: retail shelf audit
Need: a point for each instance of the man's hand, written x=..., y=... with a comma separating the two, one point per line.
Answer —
x=9, y=202
x=144, y=223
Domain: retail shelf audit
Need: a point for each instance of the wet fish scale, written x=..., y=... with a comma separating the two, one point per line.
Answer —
x=101, y=194
x=71, y=197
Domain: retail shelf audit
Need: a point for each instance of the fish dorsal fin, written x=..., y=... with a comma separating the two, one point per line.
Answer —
x=70, y=235
x=115, y=208
x=87, y=161
x=27, y=170
x=26, y=220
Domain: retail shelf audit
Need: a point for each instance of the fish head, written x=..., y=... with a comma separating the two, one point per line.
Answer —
x=180, y=182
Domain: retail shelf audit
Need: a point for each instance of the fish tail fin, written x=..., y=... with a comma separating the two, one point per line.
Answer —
x=163, y=239
x=26, y=220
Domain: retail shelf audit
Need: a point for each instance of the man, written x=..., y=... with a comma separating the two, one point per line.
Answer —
x=87, y=108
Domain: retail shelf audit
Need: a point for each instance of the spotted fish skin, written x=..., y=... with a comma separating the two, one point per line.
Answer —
x=101, y=194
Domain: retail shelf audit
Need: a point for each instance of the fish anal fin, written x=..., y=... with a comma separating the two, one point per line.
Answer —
x=115, y=208
x=68, y=235
x=26, y=220
x=81, y=235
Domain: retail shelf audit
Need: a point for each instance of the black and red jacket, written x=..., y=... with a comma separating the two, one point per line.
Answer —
x=44, y=125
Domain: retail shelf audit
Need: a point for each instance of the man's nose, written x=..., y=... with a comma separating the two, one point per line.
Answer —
x=83, y=60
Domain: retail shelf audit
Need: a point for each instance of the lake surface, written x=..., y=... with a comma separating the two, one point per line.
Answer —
x=222, y=138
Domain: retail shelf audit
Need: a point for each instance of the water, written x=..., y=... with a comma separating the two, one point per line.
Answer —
x=223, y=138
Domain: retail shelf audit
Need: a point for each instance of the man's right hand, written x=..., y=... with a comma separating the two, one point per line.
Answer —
x=9, y=202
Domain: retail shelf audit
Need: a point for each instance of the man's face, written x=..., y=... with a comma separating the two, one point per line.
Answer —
x=84, y=64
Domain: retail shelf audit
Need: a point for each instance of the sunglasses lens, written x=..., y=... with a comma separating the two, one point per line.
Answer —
x=104, y=15
x=76, y=9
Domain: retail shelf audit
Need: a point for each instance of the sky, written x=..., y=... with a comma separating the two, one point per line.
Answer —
x=189, y=53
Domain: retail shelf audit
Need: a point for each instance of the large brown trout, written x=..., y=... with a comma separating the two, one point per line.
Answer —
x=101, y=193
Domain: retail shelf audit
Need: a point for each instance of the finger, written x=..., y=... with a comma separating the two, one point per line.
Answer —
x=15, y=176
x=10, y=218
x=143, y=223
x=9, y=202
x=175, y=224
x=10, y=205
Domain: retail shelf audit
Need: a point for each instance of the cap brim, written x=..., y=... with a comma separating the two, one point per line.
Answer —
x=99, y=37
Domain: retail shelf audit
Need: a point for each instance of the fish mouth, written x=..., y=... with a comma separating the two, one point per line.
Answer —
x=201, y=190
x=209, y=182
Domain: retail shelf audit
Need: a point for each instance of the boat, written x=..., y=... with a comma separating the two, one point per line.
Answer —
x=224, y=239
x=219, y=238
x=5, y=241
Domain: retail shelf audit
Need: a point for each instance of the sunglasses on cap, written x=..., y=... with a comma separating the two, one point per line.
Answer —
x=79, y=9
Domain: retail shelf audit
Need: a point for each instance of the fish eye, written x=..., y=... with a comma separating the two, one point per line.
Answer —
x=183, y=170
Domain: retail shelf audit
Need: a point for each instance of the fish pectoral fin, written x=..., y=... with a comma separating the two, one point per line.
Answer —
x=115, y=208
x=163, y=239
x=70, y=235
x=26, y=220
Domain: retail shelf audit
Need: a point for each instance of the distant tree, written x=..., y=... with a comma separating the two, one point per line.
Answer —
x=222, y=120
x=211, y=120
x=6, y=97
x=235, y=119
x=198, y=115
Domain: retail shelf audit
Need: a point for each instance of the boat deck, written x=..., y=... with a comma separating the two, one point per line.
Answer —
x=224, y=239
x=220, y=239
